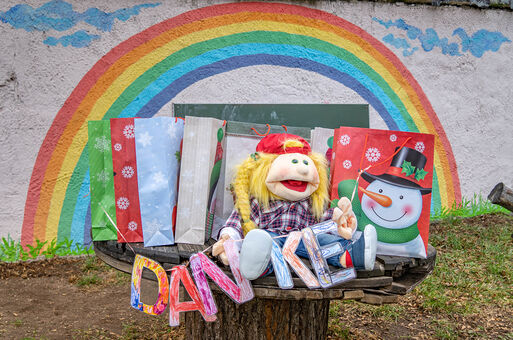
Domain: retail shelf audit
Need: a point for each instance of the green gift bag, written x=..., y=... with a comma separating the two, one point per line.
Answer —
x=102, y=181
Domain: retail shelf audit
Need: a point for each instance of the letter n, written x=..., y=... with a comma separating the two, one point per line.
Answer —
x=240, y=292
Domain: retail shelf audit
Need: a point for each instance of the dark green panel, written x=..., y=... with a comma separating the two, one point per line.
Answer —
x=300, y=115
x=244, y=129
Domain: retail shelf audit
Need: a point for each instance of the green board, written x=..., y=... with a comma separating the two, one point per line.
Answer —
x=300, y=115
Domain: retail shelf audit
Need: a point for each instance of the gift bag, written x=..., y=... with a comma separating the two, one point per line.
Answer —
x=322, y=142
x=101, y=181
x=157, y=142
x=200, y=168
x=388, y=176
x=126, y=191
x=240, y=141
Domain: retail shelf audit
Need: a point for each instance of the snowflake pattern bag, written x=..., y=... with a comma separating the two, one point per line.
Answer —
x=101, y=181
x=124, y=164
x=157, y=142
x=392, y=191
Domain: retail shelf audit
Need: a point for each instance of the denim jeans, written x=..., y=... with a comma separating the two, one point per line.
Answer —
x=356, y=248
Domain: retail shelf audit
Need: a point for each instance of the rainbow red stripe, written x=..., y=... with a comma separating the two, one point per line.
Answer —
x=140, y=75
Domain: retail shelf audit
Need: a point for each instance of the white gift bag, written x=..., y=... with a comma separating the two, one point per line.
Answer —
x=201, y=161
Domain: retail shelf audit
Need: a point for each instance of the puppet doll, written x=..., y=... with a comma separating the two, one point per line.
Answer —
x=281, y=188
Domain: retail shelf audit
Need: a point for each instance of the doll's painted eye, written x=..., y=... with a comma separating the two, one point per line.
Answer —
x=295, y=161
x=380, y=191
x=305, y=162
x=401, y=197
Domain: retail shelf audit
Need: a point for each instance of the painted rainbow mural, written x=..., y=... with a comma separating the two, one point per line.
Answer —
x=140, y=75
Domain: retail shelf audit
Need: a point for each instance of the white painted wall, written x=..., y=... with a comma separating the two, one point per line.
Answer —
x=471, y=96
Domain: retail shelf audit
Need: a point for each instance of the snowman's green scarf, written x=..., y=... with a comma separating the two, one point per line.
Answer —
x=387, y=235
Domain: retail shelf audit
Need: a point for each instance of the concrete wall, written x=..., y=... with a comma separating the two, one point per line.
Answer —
x=460, y=58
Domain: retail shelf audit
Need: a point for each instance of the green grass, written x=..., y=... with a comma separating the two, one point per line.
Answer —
x=444, y=330
x=474, y=267
x=12, y=251
x=388, y=312
x=472, y=281
x=92, y=264
x=157, y=329
x=122, y=278
x=130, y=331
x=88, y=280
x=469, y=208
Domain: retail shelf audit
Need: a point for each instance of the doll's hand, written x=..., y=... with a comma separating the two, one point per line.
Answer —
x=345, y=218
x=218, y=249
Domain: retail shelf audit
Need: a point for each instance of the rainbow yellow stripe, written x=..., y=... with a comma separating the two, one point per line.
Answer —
x=143, y=73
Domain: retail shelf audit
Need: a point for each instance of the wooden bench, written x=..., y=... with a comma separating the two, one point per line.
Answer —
x=298, y=313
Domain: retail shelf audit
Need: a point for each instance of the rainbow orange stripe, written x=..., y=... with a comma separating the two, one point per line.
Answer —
x=146, y=71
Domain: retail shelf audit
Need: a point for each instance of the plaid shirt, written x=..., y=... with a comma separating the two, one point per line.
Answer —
x=282, y=217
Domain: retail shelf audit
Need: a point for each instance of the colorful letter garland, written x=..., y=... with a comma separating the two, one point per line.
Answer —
x=318, y=256
x=200, y=293
x=281, y=269
x=289, y=249
x=158, y=308
x=181, y=274
x=241, y=290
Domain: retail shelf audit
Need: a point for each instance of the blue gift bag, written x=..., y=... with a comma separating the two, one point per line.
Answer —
x=157, y=143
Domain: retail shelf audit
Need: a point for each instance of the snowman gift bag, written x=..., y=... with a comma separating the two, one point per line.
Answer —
x=388, y=176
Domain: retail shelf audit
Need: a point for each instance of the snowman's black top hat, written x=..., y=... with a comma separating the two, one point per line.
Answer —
x=406, y=170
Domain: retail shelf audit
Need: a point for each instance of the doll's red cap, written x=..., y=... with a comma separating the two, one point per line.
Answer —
x=274, y=143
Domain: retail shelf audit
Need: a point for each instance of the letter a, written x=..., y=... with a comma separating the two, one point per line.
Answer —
x=180, y=273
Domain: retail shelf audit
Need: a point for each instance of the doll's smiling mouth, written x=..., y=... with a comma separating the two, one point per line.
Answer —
x=295, y=185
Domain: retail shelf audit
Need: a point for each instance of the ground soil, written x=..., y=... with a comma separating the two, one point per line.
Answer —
x=82, y=298
x=65, y=299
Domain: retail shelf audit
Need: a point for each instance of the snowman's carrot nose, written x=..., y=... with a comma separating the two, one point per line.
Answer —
x=380, y=199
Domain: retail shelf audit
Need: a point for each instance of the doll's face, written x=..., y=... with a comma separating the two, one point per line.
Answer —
x=292, y=176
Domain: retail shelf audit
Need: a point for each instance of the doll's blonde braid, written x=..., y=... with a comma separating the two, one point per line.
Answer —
x=241, y=187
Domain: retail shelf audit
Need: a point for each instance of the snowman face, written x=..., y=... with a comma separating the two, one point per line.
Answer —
x=404, y=210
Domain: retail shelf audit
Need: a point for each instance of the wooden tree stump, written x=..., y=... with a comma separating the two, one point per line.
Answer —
x=502, y=195
x=261, y=319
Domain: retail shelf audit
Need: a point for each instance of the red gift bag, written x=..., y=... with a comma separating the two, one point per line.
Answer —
x=124, y=164
x=388, y=177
